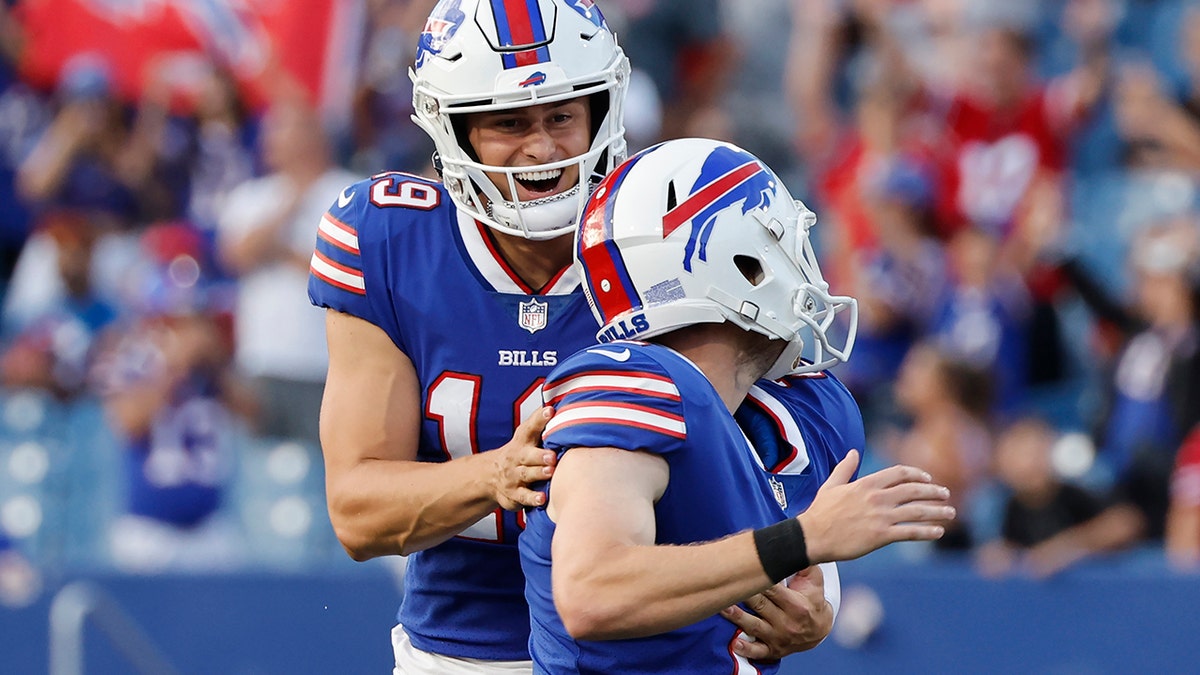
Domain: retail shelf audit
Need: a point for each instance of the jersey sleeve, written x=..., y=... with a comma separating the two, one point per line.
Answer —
x=602, y=402
x=336, y=279
x=363, y=249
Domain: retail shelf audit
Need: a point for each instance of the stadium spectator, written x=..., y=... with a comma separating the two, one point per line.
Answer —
x=91, y=160
x=54, y=351
x=668, y=499
x=1082, y=49
x=1158, y=119
x=898, y=283
x=267, y=229
x=194, y=114
x=1048, y=524
x=983, y=316
x=684, y=49
x=382, y=135
x=996, y=136
x=1154, y=384
x=171, y=395
x=23, y=113
x=948, y=401
x=1008, y=139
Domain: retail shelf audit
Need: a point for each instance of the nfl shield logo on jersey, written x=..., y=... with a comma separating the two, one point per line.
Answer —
x=532, y=316
x=780, y=493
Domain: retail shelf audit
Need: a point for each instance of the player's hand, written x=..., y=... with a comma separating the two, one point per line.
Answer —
x=521, y=462
x=791, y=616
x=849, y=520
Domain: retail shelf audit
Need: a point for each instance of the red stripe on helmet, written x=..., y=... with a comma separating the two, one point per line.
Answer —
x=711, y=192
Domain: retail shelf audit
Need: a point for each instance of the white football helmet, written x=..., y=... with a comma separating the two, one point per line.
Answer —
x=694, y=231
x=488, y=55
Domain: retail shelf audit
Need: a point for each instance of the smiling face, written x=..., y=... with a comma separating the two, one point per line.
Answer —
x=532, y=136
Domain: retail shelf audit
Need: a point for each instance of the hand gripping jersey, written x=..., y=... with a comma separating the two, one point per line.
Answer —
x=394, y=251
x=801, y=426
x=645, y=396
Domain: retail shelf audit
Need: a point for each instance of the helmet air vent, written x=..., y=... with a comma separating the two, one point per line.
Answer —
x=750, y=268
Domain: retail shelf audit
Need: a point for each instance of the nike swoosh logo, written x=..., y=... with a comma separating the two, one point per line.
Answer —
x=621, y=356
x=344, y=199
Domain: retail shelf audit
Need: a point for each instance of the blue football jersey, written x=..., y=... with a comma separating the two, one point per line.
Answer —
x=647, y=397
x=394, y=251
x=801, y=426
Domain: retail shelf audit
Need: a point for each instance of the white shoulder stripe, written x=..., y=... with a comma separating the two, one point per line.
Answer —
x=339, y=234
x=340, y=275
x=631, y=382
x=608, y=414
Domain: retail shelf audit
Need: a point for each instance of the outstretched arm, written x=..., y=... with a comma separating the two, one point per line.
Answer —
x=382, y=501
x=602, y=501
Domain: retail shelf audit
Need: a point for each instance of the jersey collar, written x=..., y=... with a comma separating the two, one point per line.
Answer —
x=496, y=272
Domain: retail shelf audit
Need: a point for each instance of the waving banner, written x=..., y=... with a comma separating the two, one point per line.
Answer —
x=316, y=42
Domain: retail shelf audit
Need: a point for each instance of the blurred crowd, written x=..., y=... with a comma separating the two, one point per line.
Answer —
x=1009, y=189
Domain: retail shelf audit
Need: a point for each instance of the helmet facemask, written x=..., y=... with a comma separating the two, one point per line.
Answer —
x=789, y=298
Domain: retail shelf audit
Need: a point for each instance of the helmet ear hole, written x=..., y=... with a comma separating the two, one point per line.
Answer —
x=750, y=268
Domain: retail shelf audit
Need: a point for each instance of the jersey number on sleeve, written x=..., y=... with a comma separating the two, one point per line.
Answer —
x=453, y=402
x=392, y=190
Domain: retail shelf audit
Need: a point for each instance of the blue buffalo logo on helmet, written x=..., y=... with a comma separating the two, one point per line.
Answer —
x=441, y=26
x=718, y=188
x=533, y=80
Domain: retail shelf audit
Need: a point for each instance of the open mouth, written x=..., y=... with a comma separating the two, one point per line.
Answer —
x=539, y=183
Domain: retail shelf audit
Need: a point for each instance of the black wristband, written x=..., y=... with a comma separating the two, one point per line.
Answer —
x=781, y=549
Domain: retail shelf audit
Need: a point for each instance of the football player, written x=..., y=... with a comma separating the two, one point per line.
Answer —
x=695, y=260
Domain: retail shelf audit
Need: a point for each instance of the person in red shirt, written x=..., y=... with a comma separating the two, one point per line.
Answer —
x=1005, y=134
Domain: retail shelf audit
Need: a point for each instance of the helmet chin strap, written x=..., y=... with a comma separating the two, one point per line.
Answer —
x=539, y=219
x=787, y=360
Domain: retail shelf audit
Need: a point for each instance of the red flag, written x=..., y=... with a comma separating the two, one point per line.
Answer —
x=315, y=42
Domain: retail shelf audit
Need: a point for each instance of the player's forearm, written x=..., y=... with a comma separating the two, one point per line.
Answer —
x=646, y=590
x=387, y=507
